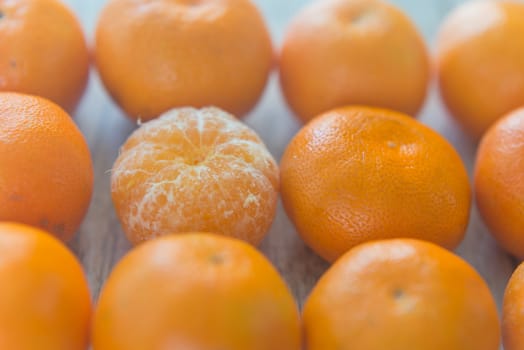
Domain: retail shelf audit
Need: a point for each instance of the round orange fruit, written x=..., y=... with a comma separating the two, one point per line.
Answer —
x=401, y=294
x=43, y=51
x=44, y=299
x=195, y=170
x=512, y=311
x=355, y=174
x=499, y=185
x=342, y=52
x=47, y=175
x=196, y=291
x=156, y=55
x=480, y=63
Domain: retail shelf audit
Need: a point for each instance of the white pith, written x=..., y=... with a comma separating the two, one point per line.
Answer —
x=178, y=183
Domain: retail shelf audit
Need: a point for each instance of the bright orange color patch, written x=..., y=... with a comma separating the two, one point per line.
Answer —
x=43, y=51
x=195, y=170
x=342, y=52
x=480, y=62
x=355, y=174
x=512, y=315
x=46, y=176
x=196, y=291
x=401, y=294
x=44, y=298
x=499, y=181
x=156, y=55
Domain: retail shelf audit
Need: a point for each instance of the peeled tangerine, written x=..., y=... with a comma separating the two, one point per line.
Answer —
x=195, y=170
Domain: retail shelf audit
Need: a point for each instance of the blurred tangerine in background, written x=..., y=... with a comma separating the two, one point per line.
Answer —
x=499, y=181
x=401, y=294
x=512, y=316
x=196, y=291
x=43, y=51
x=342, y=52
x=480, y=62
x=156, y=55
x=44, y=299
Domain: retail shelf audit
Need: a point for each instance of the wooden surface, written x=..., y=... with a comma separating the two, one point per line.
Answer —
x=100, y=242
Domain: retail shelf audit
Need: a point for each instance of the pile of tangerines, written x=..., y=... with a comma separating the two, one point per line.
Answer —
x=367, y=186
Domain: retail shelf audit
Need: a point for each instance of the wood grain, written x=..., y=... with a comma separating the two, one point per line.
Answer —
x=100, y=242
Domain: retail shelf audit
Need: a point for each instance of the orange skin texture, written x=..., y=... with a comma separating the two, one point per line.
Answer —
x=47, y=174
x=401, y=294
x=499, y=185
x=196, y=291
x=356, y=174
x=340, y=52
x=44, y=299
x=512, y=311
x=156, y=55
x=480, y=64
x=43, y=51
x=195, y=170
